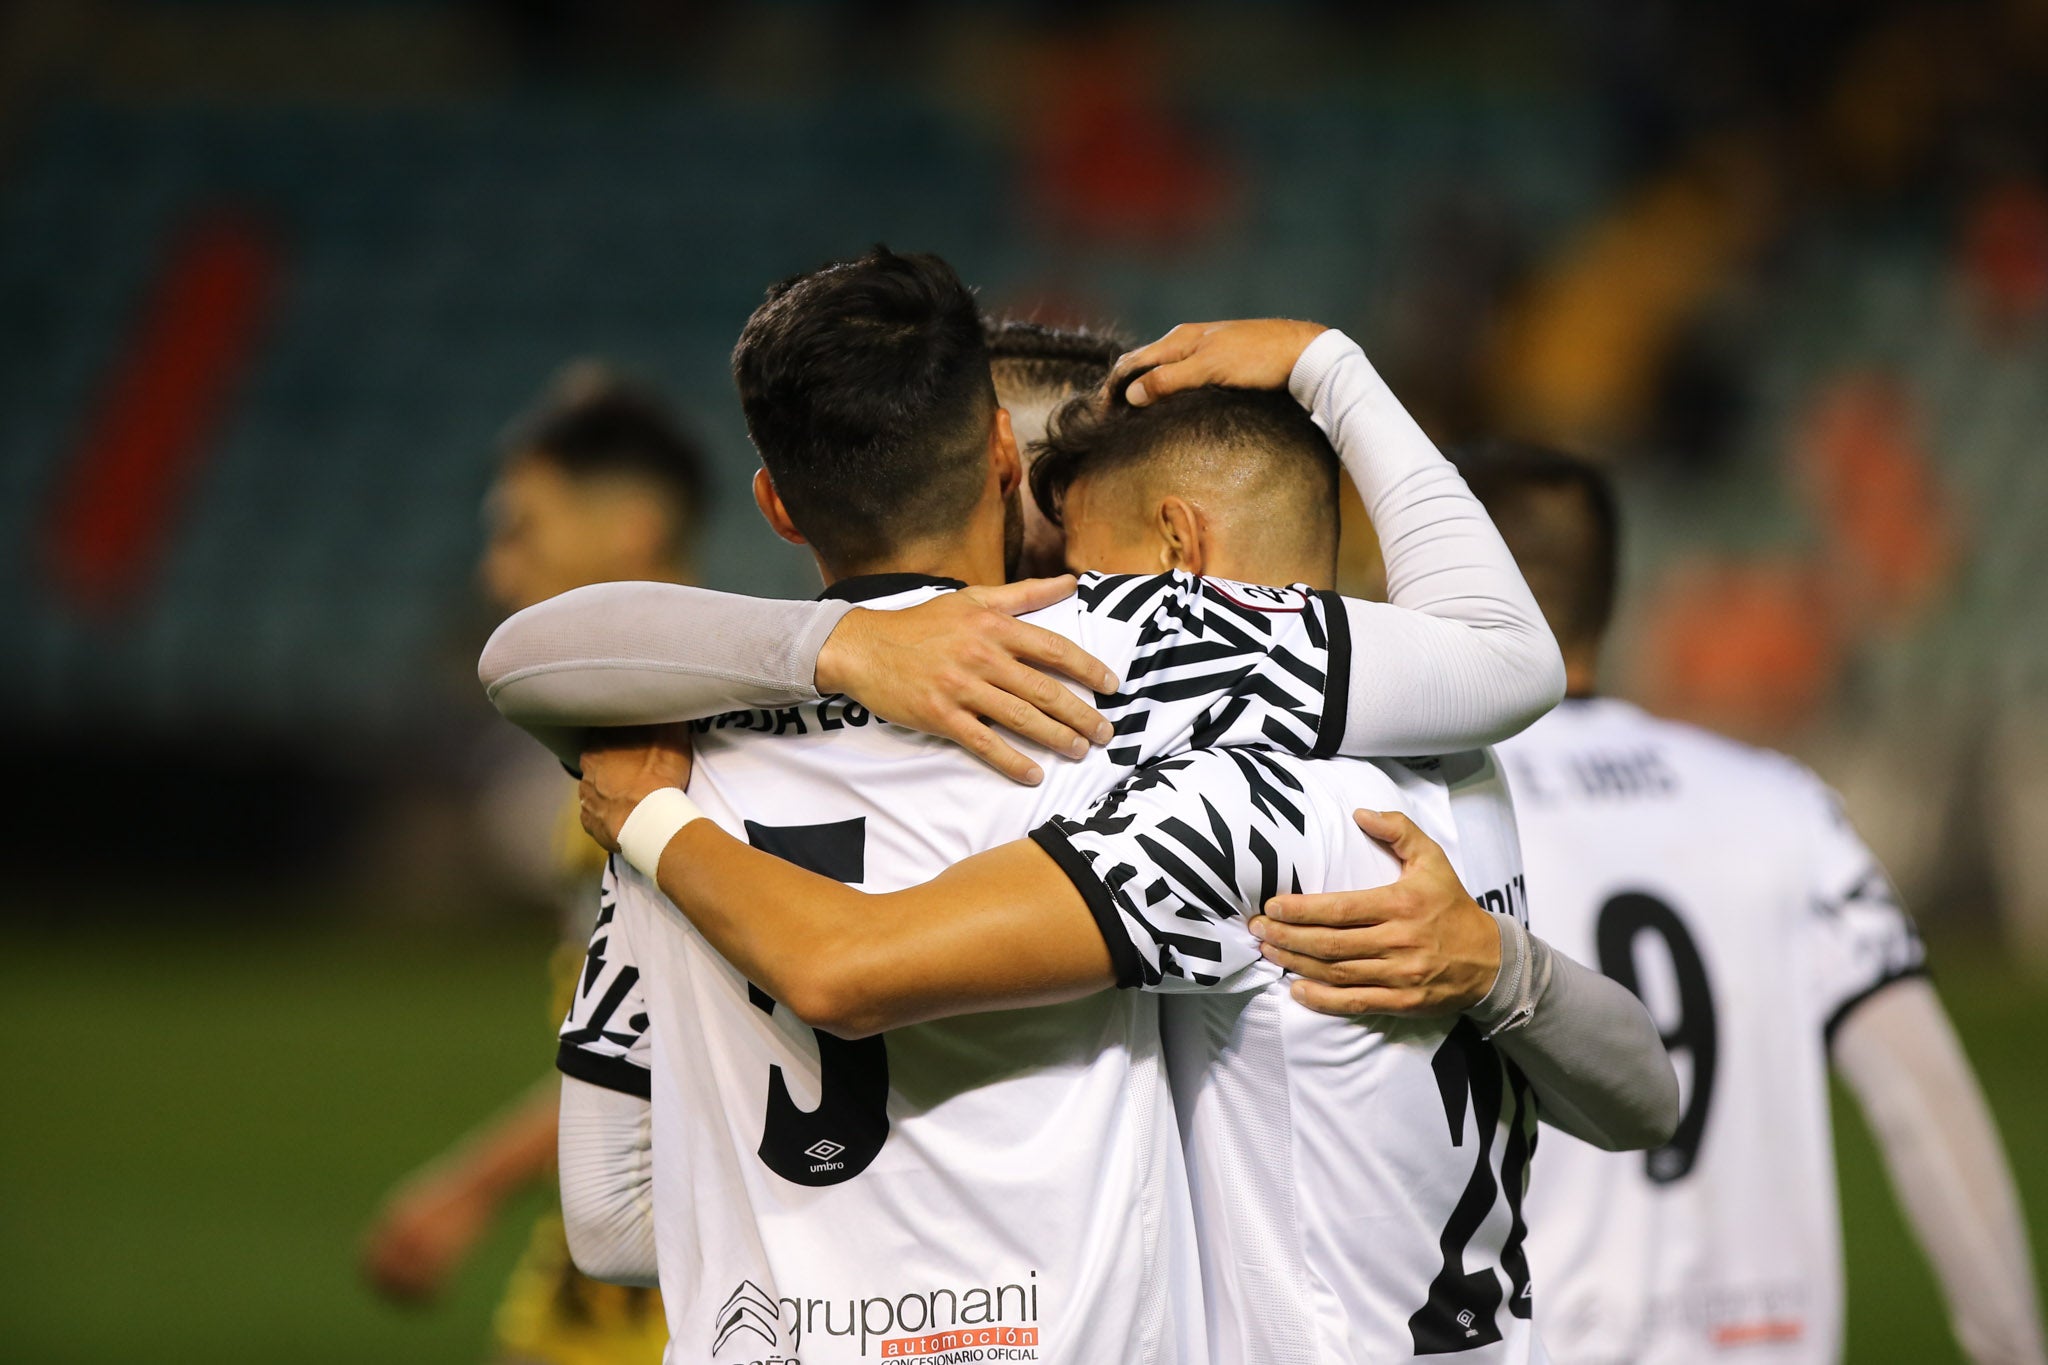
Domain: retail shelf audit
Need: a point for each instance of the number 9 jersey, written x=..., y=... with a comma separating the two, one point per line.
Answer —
x=1722, y=884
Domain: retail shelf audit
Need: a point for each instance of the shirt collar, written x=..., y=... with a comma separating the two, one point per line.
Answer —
x=868, y=586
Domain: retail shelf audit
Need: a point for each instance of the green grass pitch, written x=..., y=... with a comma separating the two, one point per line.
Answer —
x=197, y=1127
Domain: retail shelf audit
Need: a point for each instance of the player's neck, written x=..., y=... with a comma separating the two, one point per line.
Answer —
x=1275, y=571
x=966, y=560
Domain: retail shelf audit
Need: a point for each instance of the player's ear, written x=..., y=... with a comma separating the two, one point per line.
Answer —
x=1181, y=530
x=1003, y=455
x=770, y=503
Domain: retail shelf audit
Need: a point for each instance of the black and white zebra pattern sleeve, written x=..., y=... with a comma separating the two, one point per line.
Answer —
x=1216, y=662
x=605, y=1039
x=1176, y=860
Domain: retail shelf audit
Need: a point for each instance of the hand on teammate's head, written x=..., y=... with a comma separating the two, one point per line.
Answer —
x=1254, y=353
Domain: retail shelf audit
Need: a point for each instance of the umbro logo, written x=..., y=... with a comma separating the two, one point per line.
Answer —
x=824, y=1149
x=748, y=1309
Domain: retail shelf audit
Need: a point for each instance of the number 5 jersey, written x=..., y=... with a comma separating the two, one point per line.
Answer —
x=1002, y=1186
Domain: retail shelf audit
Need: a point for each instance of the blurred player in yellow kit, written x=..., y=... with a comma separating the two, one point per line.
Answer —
x=598, y=485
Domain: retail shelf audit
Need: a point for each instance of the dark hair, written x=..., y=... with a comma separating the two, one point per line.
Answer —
x=866, y=389
x=594, y=424
x=1561, y=522
x=1056, y=360
x=1094, y=435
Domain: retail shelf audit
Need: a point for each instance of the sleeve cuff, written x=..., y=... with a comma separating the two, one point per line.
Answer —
x=1511, y=1002
x=610, y=1073
x=803, y=651
x=1123, y=957
x=1336, y=677
x=1850, y=1006
x=1316, y=361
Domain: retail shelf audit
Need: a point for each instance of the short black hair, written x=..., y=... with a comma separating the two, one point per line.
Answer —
x=1562, y=522
x=1039, y=356
x=866, y=389
x=1095, y=434
x=593, y=424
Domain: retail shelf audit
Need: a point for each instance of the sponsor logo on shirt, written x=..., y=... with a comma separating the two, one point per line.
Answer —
x=1731, y=1318
x=947, y=1326
x=747, y=1312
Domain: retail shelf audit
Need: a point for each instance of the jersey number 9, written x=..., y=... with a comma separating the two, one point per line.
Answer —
x=1623, y=921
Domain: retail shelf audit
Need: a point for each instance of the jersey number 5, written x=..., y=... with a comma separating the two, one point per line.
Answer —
x=840, y=1138
x=1624, y=920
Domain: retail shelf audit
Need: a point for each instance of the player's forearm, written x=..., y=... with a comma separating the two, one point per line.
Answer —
x=1001, y=930
x=1477, y=662
x=616, y=654
x=1900, y=1057
x=1587, y=1045
x=607, y=1149
x=785, y=929
x=510, y=1151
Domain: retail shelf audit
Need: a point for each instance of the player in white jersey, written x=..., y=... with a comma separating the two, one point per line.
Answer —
x=1357, y=1183
x=888, y=1212
x=1723, y=884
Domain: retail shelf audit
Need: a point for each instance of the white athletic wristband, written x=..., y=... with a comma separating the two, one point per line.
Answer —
x=655, y=821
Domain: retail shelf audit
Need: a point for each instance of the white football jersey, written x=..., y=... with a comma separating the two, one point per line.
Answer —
x=1357, y=1182
x=1722, y=884
x=1005, y=1184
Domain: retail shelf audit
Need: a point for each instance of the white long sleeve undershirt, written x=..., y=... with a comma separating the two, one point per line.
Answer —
x=1900, y=1057
x=1459, y=657
x=1455, y=597
x=607, y=1170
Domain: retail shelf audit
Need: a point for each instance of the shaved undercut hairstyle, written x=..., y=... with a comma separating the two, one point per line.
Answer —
x=1560, y=520
x=867, y=394
x=1037, y=358
x=1261, y=429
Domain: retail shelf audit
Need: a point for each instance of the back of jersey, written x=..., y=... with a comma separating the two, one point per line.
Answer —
x=1357, y=1182
x=1723, y=886
x=998, y=1182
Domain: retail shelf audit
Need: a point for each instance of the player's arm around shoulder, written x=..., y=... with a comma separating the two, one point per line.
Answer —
x=1418, y=945
x=1001, y=930
x=634, y=654
x=1421, y=946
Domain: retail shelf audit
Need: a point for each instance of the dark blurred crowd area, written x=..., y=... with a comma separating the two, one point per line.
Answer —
x=274, y=277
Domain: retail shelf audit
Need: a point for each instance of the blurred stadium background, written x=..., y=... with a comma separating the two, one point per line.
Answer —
x=275, y=274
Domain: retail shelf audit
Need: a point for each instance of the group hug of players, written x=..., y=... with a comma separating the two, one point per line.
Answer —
x=1234, y=1001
